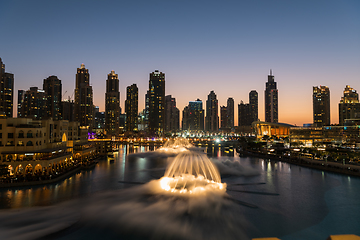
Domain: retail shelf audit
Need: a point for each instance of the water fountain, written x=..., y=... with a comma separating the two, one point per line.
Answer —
x=192, y=173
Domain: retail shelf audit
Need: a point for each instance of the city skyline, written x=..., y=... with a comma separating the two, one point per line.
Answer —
x=206, y=46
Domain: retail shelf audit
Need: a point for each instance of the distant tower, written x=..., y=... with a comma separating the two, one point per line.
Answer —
x=35, y=104
x=244, y=114
x=230, y=113
x=53, y=88
x=223, y=117
x=253, y=101
x=172, y=115
x=21, y=95
x=156, y=102
x=112, y=105
x=321, y=106
x=349, y=106
x=6, y=91
x=271, y=100
x=212, y=116
x=131, y=108
x=83, y=98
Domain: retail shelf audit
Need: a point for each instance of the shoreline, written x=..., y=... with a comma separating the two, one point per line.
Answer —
x=49, y=181
x=334, y=167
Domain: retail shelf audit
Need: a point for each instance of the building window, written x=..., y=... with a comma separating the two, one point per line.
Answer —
x=21, y=134
x=29, y=143
x=10, y=135
x=29, y=134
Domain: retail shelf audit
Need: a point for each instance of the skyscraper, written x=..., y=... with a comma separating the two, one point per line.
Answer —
x=6, y=91
x=112, y=105
x=223, y=117
x=193, y=116
x=83, y=98
x=131, y=108
x=271, y=100
x=35, y=104
x=156, y=102
x=172, y=115
x=230, y=113
x=21, y=95
x=244, y=118
x=321, y=106
x=349, y=106
x=53, y=88
x=212, y=116
x=253, y=101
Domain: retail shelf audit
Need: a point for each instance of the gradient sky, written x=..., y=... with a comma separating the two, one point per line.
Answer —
x=225, y=46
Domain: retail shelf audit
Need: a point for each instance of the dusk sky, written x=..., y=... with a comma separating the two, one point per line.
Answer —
x=225, y=46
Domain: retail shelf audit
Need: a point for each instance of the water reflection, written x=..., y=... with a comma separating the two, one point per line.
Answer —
x=300, y=204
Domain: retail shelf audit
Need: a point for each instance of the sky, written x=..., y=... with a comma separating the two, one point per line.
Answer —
x=225, y=46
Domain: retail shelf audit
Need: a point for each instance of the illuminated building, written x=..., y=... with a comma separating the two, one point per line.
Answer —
x=35, y=104
x=280, y=130
x=68, y=110
x=6, y=91
x=212, y=116
x=156, y=96
x=42, y=147
x=21, y=95
x=131, y=108
x=253, y=101
x=244, y=114
x=193, y=116
x=172, y=115
x=53, y=88
x=230, y=113
x=83, y=108
x=223, y=117
x=271, y=100
x=349, y=106
x=248, y=112
x=112, y=105
x=321, y=106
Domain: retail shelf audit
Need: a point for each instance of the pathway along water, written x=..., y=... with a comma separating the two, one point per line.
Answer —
x=310, y=204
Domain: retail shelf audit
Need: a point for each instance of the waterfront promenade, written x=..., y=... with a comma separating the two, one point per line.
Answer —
x=336, y=167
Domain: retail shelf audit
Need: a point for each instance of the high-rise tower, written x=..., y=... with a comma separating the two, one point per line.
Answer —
x=6, y=91
x=35, y=104
x=321, y=106
x=172, y=114
x=253, y=101
x=131, y=108
x=271, y=100
x=349, y=106
x=230, y=113
x=212, y=116
x=193, y=116
x=112, y=105
x=156, y=97
x=53, y=88
x=83, y=107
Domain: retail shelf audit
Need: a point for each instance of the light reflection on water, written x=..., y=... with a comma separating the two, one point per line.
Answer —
x=307, y=198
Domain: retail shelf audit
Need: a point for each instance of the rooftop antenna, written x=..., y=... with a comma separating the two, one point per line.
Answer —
x=270, y=72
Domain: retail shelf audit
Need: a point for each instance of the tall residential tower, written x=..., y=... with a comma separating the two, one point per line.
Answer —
x=83, y=107
x=271, y=100
x=131, y=108
x=6, y=91
x=212, y=116
x=321, y=106
x=156, y=96
x=112, y=105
